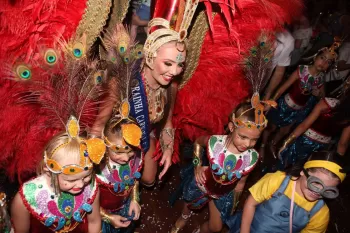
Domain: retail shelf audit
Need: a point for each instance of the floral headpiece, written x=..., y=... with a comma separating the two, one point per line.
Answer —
x=164, y=34
x=91, y=151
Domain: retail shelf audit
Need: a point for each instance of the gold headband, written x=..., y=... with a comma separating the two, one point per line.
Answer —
x=330, y=166
x=260, y=122
x=91, y=151
x=131, y=131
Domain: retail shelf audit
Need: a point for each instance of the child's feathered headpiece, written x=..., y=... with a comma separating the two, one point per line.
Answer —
x=123, y=56
x=257, y=66
x=64, y=101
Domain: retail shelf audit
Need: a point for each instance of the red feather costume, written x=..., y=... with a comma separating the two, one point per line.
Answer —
x=217, y=84
x=28, y=28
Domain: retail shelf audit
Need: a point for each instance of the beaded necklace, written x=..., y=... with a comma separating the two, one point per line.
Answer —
x=156, y=98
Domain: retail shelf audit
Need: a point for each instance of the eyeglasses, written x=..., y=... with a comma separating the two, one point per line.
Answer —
x=316, y=185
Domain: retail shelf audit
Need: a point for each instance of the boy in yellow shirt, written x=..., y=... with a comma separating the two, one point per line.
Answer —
x=292, y=201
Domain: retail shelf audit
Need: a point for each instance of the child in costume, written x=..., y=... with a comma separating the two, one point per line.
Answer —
x=118, y=178
x=292, y=201
x=64, y=196
x=305, y=82
x=231, y=157
x=329, y=118
x=119, y=174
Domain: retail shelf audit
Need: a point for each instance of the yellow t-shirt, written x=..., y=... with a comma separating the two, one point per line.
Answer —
x=269, y=184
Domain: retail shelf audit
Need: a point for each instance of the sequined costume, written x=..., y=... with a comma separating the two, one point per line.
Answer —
x=226, y=169
x=52, y=213
x=116, y=183
x=293, y=106
x=316, y=138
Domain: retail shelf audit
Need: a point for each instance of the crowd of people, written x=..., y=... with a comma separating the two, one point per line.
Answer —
x=90, y=116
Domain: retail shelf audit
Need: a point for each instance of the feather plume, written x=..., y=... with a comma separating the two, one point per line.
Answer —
x=258, y=62
x=123, y=55
x=28, y=29
x=47, y=105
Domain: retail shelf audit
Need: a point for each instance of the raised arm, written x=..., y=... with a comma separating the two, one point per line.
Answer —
x=316, y=112
x=275, y=81
x=343, y=143
x=294, y=77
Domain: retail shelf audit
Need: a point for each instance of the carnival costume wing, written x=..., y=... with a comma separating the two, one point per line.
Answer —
x=71, y=90
x=213, y=82
x=29, y=31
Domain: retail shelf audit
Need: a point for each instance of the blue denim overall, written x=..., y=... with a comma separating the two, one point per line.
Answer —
x=272, y=216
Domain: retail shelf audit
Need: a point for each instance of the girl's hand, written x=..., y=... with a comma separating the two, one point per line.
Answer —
x=166, y=162
x=119, y=222
x=199, y=173
x=136, y=208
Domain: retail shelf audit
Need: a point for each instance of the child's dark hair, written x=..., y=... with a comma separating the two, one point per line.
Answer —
x=310, y=60
x=319, y=155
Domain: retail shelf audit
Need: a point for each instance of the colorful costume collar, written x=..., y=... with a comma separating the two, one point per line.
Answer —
x=57, y=212
x=121, y=177
x=226, y=166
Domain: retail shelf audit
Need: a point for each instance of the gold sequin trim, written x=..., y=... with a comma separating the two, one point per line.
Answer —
x=94, y=19
x=194, y=48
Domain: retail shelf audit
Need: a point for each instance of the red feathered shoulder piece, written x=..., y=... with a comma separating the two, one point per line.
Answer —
x=28, y=28
x=218, y=85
